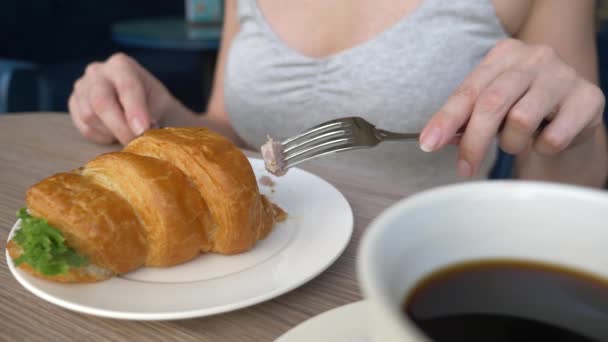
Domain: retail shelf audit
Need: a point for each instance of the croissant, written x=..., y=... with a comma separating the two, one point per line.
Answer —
x=169, y=195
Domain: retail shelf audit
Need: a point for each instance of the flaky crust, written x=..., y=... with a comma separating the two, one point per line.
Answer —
x=223, y=176
x=271, y=215
x=169, y=206
x=95, y=222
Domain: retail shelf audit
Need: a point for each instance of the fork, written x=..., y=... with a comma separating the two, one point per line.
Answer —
x=333, y=136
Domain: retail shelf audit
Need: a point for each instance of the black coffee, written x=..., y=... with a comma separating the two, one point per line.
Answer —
x=503, y=300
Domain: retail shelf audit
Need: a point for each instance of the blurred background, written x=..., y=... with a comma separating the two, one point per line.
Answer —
x=46, y=44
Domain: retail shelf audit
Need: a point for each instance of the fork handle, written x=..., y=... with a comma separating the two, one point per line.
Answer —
x=386, y=135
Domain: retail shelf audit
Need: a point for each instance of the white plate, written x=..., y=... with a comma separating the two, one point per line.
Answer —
x=317, y=231
x=346, y=323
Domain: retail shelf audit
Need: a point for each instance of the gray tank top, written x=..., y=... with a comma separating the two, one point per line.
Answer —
x=396, y=80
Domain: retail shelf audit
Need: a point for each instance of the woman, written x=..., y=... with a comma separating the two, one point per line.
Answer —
x=498, y=67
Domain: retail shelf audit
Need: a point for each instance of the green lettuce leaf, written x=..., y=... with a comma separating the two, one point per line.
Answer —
x=44, y=247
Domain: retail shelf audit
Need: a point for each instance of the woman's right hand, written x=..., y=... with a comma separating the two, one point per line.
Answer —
x=118, y=100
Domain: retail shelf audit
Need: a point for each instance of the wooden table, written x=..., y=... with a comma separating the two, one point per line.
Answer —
x=35, y=145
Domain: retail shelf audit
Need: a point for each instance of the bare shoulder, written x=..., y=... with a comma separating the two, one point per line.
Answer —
x=512, y=14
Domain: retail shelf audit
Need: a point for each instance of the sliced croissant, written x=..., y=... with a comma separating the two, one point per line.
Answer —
x=169, y=195
x=171, y=210
x=96, y=222
x=225, y=179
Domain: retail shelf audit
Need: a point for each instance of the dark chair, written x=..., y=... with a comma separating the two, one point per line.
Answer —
x=21, y=87
x=503, y=167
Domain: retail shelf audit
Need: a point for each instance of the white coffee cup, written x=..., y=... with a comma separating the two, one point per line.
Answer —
x=542, y=222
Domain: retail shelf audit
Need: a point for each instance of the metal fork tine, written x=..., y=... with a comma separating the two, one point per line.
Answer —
x=317, y=129
x=330, y=137
x=336, y=143
x=320, y=153
x=316, y=139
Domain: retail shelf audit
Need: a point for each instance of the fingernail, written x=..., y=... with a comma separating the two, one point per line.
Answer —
x=138, y=126
x=464, y=169
x=430, y=140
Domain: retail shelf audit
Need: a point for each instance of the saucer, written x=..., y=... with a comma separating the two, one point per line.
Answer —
x=346, y=323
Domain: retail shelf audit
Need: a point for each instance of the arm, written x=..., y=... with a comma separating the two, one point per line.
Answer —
x=586, y=163
x=548, y=73
x=216, y=117
x=118, y=99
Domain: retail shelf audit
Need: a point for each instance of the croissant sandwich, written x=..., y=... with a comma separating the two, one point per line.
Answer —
x=166, y=197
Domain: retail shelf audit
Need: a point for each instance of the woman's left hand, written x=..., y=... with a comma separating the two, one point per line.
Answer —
x=513, y=90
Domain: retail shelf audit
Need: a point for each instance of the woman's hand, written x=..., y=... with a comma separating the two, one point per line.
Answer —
x=117, y=100
x=513, y=90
